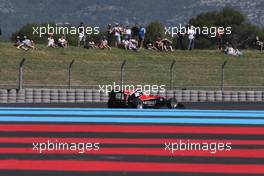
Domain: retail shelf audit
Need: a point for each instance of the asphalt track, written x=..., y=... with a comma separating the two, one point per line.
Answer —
x=132, y=142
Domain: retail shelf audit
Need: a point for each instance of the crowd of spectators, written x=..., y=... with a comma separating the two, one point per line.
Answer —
x=126, y=37
x=131, y=38
x=61, y=42
x=161, y=45
x=24, y=43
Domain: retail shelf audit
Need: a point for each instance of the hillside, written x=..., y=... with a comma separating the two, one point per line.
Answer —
x=16, y=13
x=199, y=68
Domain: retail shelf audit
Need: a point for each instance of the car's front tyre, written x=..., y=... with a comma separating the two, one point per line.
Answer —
x=173, y=103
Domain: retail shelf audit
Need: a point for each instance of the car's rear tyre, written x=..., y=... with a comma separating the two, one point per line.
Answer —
x=110, y=105
x=139, y=104
x=173, y=104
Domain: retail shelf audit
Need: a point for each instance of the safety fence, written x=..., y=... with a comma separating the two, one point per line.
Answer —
x=94, y=95
x=173, y=74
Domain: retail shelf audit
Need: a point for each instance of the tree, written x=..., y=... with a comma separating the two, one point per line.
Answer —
x=154, y=29
x=242, y=36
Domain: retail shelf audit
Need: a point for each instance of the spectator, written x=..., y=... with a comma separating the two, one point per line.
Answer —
x=150, y=46
x=125, y=44
x=191, y=36
x=133, y=45
x=141, y=36
x=62, y=42
x=28, y=43
x=219, y=40
x=104, y=44
x=135, y=31
x=180, y=36
x=167, y=45
x=122, y=32
x=128, y=33
x=51, y=42
x=259, y=44
x=19, y=44
x=81, y=32
x=117, y=32
x=230, y=50
x=92, y=44
x=159, y=44
x=129, y=44
x=109, y=34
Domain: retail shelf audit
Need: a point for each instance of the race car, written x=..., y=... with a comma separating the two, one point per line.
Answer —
x=139, y=100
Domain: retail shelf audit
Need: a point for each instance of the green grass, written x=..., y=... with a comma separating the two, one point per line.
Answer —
x=198, y=68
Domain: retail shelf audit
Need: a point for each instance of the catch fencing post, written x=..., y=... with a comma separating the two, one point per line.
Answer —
x=20, y=75
x=69, y=74
x=223, y=75
x=122, y=74
x=171, y=74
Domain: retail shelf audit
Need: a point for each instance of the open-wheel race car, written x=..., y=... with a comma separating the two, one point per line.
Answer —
x=140, y=100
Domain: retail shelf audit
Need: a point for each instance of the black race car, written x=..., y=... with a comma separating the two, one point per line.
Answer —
x=140, y=100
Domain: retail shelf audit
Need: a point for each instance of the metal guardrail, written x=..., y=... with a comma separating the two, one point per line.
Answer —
x=20, y=75
x=66, y=86
x=69, y=73
x=94, y=95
